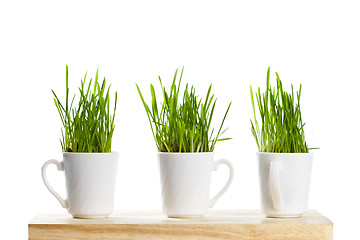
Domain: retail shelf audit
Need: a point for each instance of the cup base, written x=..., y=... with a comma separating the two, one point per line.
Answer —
x=284, y=216
x=90, y=216
x=185, y=216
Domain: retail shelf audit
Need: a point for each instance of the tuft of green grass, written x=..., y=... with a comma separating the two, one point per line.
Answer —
x=282, y=129
x=89, y=126
x=183, y=125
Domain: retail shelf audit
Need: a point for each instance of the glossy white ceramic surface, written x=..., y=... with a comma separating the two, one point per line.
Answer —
x=185, y=181
x=284, y=183
x=90, y=183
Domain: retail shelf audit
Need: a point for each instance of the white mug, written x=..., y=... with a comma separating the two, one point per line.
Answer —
x=284, y=183
x=185, y=181
x=90, y=183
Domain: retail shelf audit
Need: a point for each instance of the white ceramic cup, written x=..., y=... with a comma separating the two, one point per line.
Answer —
x=185, y=181
x=90, y=183
x=284, y=183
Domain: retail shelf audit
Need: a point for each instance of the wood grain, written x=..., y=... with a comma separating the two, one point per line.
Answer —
x=219, y=224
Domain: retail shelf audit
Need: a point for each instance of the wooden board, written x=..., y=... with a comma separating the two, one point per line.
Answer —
x=217, y=224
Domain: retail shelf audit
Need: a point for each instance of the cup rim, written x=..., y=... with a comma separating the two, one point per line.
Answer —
x=185, y=153
x=283, y=154
x=87, y=153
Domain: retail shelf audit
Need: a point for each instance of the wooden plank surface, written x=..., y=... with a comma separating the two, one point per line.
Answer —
x=217, y=224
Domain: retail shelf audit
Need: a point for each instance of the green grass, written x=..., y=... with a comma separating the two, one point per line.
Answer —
x=89, y=126
x=183, y=125
x=282, y=129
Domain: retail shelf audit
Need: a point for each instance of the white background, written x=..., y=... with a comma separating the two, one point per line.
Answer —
x=228, y=44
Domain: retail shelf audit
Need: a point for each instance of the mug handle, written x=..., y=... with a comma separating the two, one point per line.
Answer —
x=60, y=167
x=227, y=185
x=275, y=168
